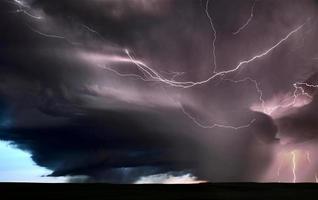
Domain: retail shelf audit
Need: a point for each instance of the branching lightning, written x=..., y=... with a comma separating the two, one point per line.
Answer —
x=291, y=101
x=295, y=162
x=298, y=91
x=126, y=75
x=148, y=73
x=294, y=166
x=188, y=84
x=25, y=9
x=155, y=76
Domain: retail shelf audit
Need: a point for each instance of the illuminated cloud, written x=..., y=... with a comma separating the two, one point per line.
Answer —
x=168, y=179
x=131, y=91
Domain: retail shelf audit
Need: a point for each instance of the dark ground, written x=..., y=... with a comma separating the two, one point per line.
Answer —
x=200, y=191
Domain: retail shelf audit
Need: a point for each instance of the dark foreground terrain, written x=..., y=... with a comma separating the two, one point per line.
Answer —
x=200, y=191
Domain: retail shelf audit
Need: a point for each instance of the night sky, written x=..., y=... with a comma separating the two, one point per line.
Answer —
x=159, y=91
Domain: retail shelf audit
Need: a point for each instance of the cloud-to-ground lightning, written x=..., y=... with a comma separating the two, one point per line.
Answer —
x=294, y=160
x=200, y=95
x=278, y=170
x=308, y=156
x=293, y=154
x=248, y=20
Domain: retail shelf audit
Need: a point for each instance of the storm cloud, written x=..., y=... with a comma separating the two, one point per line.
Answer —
x=121, y=91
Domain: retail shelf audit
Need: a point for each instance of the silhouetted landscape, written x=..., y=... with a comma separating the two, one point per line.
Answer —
x=259, y=191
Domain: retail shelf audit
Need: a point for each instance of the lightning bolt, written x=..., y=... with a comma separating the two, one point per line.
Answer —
x=193, y=118
x=301, y=89
x=247, y=22
x=126, y=74
x=53, y=36
x=20, y=3
x=278, y=170
x=176, y=75
x=155, y=76
x=309, y=161
x=24, y=8
x=150, y=74
x=187, y=113
x=216, y=125
x=291, y=101
x=294, y=166
x=257, y=87
x=29, y=14
x=293, y=162
x=214, y=34
x=47, y=35
x=92, y=31
x=307, y=84
x=188, y=84
x=308, y=157
x=296, y=92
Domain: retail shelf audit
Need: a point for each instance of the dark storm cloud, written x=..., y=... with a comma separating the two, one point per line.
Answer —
x=78, y=118
x=105, y=144
x=105, y=141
